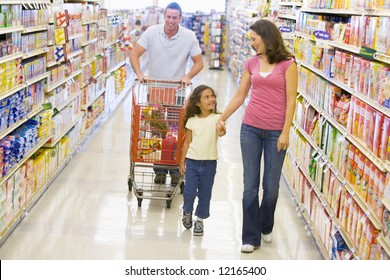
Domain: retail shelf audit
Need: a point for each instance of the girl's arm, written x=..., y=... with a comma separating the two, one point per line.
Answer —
x=221, y=128
x=291, y=93
x=184, y=151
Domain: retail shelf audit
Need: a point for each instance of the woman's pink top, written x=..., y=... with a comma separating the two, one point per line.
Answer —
x=267, y=104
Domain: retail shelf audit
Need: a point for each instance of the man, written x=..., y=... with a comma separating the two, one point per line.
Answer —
x=168, y=46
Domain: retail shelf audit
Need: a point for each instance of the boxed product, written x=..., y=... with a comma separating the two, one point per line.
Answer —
x=29, y=186
x=343, y=157
x=359, y=171
x=331, y=188
x=339, y=241
x=384, y=145
x=326, y=182
x=381, y=253
x=381, y=188
x=355, y=215
x=386, y=225
x=382, y=38
x=9, y=215
x=307, y=197
x=9, y=190
x=335, y=204
x=371, y=185
x=353, y=155
x=356, y=117
x=23, y=193
x=29, y=166
x=325, y=227
x=371, y=244
x=369, y=127
x=40, y=159
x=379, y=120
x=52, y=159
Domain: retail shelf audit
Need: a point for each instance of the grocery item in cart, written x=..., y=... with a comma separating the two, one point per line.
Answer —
x=149, y=148
x=160, y=95
x=168, y=149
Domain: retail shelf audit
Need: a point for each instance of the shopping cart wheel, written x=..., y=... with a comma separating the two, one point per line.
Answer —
x=130, y=184
x=169, y=202
x=182, y=187
x=139, y=199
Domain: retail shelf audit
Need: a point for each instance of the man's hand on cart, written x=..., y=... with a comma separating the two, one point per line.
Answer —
x=185, y=80
x=141, y=77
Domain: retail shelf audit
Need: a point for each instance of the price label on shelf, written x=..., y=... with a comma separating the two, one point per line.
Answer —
x=285, y=29
x=322, y=43
x=367, y=53
x=322, y=35
x=288, y=36
x=287, y=32
x=322, y=38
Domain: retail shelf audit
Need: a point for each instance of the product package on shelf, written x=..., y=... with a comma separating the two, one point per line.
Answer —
x=215, y=43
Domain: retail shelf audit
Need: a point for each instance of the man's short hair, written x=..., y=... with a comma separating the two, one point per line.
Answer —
x=173, y=6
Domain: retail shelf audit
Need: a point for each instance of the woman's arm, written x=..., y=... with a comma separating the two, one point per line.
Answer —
x=184, y=151
x=291, y=94
x=239, y=97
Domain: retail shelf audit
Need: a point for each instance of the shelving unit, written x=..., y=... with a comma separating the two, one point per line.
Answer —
x=53, y=85
x=342, y=176
x=197, y=23
x=216, y=41
x=238, y=41
x=286, y=20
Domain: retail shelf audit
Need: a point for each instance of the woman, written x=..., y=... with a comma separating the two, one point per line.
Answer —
x=272, y=77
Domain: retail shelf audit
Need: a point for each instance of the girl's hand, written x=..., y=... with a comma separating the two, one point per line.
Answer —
x=182, y=168
x=221, y=128
x=283, y=142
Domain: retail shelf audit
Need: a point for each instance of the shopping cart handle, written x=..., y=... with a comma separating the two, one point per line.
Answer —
x=158, y=81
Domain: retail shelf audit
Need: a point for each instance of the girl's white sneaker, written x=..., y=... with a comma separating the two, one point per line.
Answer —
x=267, y=238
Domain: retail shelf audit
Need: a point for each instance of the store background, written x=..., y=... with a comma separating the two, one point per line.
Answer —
x=188, y=6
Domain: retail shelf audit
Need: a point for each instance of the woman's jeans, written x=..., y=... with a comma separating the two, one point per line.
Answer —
x=257, y=219
x=199, y=177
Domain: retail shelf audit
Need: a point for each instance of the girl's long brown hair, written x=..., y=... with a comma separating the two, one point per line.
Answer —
x=192, y=108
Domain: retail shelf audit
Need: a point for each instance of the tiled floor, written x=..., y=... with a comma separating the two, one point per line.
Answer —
x=88, y=213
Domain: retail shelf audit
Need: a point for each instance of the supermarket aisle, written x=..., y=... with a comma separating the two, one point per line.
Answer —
x=88, y=213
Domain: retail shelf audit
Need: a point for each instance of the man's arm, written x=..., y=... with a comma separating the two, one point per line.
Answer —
x=195, y=69
x=135, y=55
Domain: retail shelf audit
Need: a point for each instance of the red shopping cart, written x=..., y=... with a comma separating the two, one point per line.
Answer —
x=157, y=137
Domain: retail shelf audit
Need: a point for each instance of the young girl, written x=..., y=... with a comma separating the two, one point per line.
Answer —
x=199, y=157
